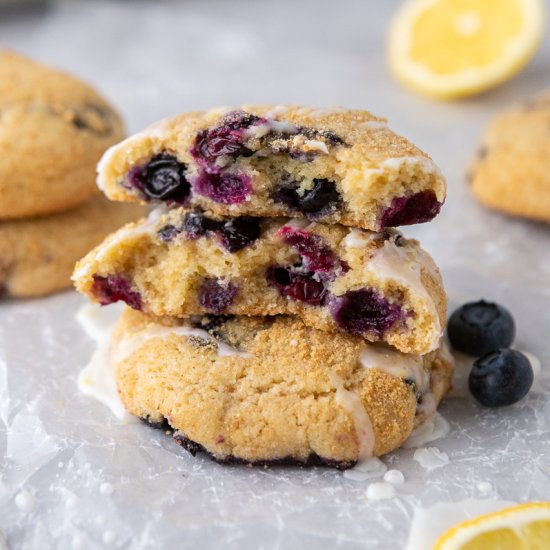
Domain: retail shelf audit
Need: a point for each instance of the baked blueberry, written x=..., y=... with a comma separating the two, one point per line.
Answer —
x=480, y=327
x=216, y=296
x=240, y=232
x=226, y=139
x=315, y=253
x=162, y=178
x=224, y=188
x=197, y=224
x=298, y=285
x=501, y=377
x=418, y=208
x=364, y=310
x=114, y=288
x=317, y=200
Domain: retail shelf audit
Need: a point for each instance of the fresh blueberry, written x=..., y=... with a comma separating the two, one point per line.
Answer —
x=298, y=285
x=501, y=377
x=114, y=288
x=364, y=310
x=162, y=178
x=216, y=296
x=225, y=188
x=321, y=198
x=418, y=208
x=240, y=232
x=479, y=327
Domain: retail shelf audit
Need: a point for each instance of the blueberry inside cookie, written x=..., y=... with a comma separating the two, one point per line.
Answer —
x=379, y=286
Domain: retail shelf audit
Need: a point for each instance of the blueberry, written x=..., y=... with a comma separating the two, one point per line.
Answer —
x=226, y=139
x=240, y=232
x=479, y=327
x=162, y=178
x=364, y=310
x=501, y=377
x=418, y=208
x=216, y=296
x=114, y=288
x=298, y=285
x=197, y=225
x=315, y=253
x=317, y=200
x=223, y=188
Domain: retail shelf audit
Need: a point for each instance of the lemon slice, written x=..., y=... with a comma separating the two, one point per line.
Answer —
x=453, y=48
x=525, y=527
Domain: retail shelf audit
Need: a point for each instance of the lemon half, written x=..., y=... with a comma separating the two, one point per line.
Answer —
x=453, y=48
x=525, y=527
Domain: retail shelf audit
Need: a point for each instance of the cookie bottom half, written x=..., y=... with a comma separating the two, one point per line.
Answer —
x=271, y=390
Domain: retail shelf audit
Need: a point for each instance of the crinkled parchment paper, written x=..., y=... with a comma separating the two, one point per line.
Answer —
x=73, y=476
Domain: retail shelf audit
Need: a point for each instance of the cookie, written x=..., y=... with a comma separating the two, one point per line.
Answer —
x=380, y=286
x=37, y=255
x=53, y=131
x=512, y=170
x=272, y=390
x=330, y=165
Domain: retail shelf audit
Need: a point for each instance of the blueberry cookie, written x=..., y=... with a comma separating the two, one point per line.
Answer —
x=330, y=165
x=512, y=170
x=53, y=130
x=37, y=255
x=272, y=390
x=380, y=286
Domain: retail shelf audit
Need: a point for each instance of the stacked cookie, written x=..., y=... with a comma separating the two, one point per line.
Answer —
x=53, y=129
x=275, y=313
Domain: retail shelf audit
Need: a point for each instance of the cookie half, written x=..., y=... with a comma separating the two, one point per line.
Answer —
x=331, y=165
x=53, y=130
x=512, y=170
x=37, y=255
x=260, y=390
x=380, y=286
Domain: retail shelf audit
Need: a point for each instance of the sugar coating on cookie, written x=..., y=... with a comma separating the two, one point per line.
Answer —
x=184, y=262
x=511, y=171
x=238, y=388
x=53, y=130
x=37, y=255
x=330, y=165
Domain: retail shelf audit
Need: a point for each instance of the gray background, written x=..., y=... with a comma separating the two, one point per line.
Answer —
x=153, y=59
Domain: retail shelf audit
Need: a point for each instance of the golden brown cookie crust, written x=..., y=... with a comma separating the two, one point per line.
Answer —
x=53, y=130
x=512, y=170
x=37, y=255
x=278, y=403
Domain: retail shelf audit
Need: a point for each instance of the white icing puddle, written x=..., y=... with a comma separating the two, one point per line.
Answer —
x=97, y=379
x=433, y=428
x=431, y=458
x=430, y=523
x=366, y=469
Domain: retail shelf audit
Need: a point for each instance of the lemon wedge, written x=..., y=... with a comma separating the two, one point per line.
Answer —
x=525, y=527
x=454, y=48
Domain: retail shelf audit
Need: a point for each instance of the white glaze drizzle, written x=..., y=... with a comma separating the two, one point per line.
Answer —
x=352, y=403
x=407, y=367
x=400, y=264
x=427, y=165
x=97, y=379
x=357, y=238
